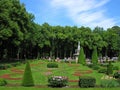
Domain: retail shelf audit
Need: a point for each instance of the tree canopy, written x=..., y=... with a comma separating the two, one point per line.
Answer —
x=21, y=37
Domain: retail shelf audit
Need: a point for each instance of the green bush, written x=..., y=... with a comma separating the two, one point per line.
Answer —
x=95, y=67
x=109, y=83
x=57, y=81
x=95, y=56
x=86, y=82
x=2, y=67
x=102, y=70
x=115, y=68
x=81, y=57
x=3, y=82
x=27, y=78
x=109, y=68
x=116, y=75
x=52, y=65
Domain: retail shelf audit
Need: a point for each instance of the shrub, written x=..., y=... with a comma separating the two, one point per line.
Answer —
x=95, y=67
x=2, y=67
x=86, y=82
x=27, y=78
x=52, y=65
x=109, y=83
x=94, y=56
x=102, y=70
x=57, y=81
x=115, y=68
x=81, y=57
x=109, y=68
x=116, y=75
x=119, y=57
x=3, y=82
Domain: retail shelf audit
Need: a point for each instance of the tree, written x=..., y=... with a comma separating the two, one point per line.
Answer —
x=27, y=78
x=81, y=57
x=94, y=56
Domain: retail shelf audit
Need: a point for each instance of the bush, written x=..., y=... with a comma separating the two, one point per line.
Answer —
x=109, y=83
x=116, y=75
x=86, y=82
x=95, y=67
x=81, y=57
x=115, y=68
x=52, y=65
x=57, y=81
x=2, y=67
x=94, y=56
x=102, y=70
x=3, y=82
x=27, y=78
x=109, y=68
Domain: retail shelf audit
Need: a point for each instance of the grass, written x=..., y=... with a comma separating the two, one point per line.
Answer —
x=40, y=70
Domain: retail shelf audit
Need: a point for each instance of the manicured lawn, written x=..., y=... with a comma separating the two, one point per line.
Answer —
x=41, y=73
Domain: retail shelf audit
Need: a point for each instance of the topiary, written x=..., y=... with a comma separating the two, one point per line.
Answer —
x=94, y=56
x=109, y=68
x=87, y=81
x=27, y=78
x=119, y=57
x=52, y=65
x=3, y=82
x=81, y=57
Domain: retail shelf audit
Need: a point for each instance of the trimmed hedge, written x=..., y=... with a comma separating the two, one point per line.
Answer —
x=102, y=70
x=27, y=78
x=52, y=65
x=57, y=81
x=86, y=82
x=3, y=82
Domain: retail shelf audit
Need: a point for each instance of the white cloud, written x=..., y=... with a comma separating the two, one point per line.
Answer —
x=86, y=12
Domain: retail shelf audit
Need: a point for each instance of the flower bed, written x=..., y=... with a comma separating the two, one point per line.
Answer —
x=57, y=81
x=81, y=72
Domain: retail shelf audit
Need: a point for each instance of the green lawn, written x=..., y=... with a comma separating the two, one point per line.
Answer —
x=41, y=73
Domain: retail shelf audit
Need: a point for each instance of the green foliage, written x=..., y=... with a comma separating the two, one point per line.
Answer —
x=94, y=57
x=27, y=78
x=109, y=83
x=57, y=81
x=102, y=70
x=119, y=57
x=116, y=75
x=86, y=82
x=52, y=65
x=115, y=68
x=81, y=57
x=109, y=68
x=3, y=82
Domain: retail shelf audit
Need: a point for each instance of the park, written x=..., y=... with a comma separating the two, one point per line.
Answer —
x=47, y=56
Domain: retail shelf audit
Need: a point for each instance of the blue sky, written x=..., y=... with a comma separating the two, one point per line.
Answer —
x=91, y=13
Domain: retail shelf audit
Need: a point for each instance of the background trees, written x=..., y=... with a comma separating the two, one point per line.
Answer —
x=21, y=37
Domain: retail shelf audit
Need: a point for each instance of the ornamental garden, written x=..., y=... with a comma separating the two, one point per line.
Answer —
x=46, y=73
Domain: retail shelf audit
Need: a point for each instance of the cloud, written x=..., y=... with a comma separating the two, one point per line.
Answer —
x=89, y=13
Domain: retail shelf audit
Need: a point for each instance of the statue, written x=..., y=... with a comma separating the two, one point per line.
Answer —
x=77, y=52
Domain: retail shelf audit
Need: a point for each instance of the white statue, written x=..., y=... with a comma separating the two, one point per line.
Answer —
x=79, y=45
